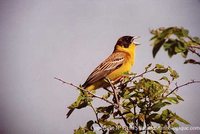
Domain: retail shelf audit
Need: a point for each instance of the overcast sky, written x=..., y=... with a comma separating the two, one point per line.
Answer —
x=42, y=39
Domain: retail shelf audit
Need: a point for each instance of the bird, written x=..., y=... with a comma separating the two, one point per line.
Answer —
x=115, y=66
x=112, y=68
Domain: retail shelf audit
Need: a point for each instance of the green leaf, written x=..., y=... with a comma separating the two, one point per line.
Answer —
x=147, y=67
x=166, y=79
x=107, y=109
x=179, y=97
x=141, y=104
x=169, y=46
x=172, y=100
x=154, y=37
x=126, y=93
x=165, y=33
x=161, y=70
x=83, y=131
x=181, y=46
x=185, y=53
x=173, y=73
x=108, y=123
x=79, y=104
x=155, y=117
x=157, y=106
x=174, y=124
x=179, y=32
x=196, y=39
x=157, y=47
x=130, y=116
x=159, y=66
x=118, y=131
x=105, y=116
x=138, y=94
x=127, y=104
x=185, y=32
x=90, y=132
x=165, y=114
x=89, y=125
x=82, y=101
x=172, y=131
x=182, y=120
x=79, y=131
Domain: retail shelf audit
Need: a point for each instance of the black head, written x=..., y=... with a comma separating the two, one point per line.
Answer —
x=125, y=41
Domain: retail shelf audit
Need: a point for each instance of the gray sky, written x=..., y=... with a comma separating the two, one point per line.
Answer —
x=68, y=39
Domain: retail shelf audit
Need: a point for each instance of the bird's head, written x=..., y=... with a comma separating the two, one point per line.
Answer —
x=126, y=43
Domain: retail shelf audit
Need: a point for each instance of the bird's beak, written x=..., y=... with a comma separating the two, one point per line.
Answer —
x=135, y=42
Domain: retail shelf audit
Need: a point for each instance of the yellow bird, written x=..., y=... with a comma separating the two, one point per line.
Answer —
x=112, y=68
x=115, y=66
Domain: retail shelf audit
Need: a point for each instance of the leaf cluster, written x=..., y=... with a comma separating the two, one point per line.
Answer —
x=175, y=41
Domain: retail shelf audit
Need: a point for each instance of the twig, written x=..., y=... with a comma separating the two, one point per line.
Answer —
x=191, y=61
x=177, y=87
x=134, y=112
x=140, y=75
x=82, y=89
x=193, y=51
x=118, y=104
x=96, y=114
x=114, y=91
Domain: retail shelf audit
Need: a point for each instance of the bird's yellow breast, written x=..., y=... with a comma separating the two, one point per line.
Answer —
x=125, y=68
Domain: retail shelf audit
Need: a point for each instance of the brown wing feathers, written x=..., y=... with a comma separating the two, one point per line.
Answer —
x=113, y=62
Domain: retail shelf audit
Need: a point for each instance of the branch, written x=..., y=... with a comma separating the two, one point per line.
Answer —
x=193, y=51
x=146, y=71
x=82, y=89
x=118, y=103
x=96, y=114
x=140, y=75
x=177, y=87
x=114, y=91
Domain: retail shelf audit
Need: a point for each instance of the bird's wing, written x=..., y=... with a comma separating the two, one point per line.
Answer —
x=114, y=61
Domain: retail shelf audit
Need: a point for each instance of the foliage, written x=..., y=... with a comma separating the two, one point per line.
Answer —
x=176, y=40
